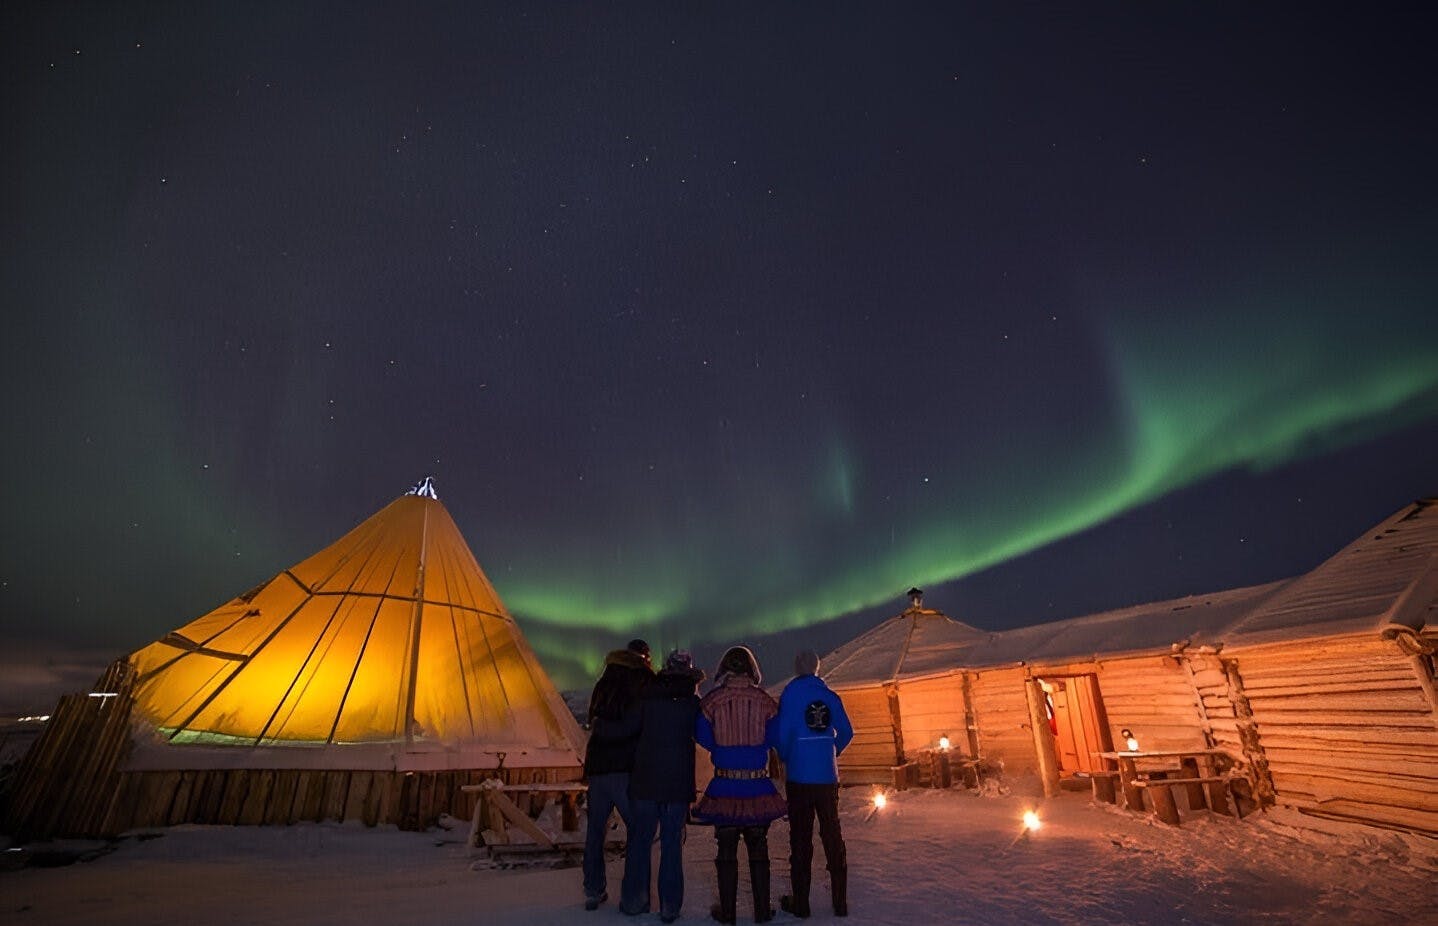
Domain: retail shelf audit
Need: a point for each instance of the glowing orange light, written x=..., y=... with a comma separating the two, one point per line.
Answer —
x=880, y=800
x=1031, y=820
x=944, y=743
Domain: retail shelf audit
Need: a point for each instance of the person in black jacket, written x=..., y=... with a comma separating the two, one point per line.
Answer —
x=609, y=757
x=661, y=787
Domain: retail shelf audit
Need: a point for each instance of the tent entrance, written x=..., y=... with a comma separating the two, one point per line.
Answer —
x=1075, y=715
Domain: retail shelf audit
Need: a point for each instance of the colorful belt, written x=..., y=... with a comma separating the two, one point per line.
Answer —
x=741, y=773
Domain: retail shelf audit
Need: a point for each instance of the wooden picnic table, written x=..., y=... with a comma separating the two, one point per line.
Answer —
x=496, y=810
x=1195, y=770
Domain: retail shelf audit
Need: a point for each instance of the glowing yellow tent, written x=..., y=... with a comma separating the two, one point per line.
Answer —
x=388, y=649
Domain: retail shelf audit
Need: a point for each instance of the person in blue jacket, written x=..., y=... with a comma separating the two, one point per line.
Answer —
x=813, y=730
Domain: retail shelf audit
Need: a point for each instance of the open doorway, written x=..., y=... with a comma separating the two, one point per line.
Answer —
x=1076, y=719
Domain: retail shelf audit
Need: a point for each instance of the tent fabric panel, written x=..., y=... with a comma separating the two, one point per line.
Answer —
x=308, y=666
x=532, y=718
x=453, y=576
x=266, y=614
x=374, y=706
x=282, y=664
x=322, y=571
x=168, y=697
x=444, y=693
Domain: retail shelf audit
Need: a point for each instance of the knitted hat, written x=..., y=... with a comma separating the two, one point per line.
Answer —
x=679, y=660
x=639, y=646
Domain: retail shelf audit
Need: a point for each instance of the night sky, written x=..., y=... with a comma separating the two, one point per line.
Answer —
x=711, y=321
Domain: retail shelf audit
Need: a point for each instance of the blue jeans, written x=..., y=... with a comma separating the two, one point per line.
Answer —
x=606, y=793
x=668, y=817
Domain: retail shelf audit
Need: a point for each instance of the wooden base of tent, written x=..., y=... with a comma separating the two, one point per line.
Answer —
x=409, y=800
x=71, y=783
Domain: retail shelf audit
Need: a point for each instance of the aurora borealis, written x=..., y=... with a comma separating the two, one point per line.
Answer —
x=710, y=323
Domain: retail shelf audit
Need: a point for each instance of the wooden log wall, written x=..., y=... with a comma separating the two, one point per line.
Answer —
x=931, y=708
x=1153, y=697
x=1001, y=713
x=1346, y=728
x=68, y=775
x=270, y=797
x=874, y=747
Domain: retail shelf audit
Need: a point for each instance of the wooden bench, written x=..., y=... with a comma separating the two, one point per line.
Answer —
x=1165, y=806
x=494, y=811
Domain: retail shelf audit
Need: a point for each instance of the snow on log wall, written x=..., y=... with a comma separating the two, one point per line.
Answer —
x=1345, y=726
x=931, y=708
x=1001, y=713
x=1153, y=697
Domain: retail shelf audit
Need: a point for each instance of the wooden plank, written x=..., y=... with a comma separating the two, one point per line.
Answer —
x=237, y=786
x=374, y=799
x=212, y=794
x=282, y=798
x=1398, y=818
x=514, y=815
x=180, y=807
x=257, y=798
x=1325, y=788
x=336, y=788
x=359, y=785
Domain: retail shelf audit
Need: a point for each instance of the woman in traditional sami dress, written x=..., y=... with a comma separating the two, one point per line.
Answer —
x=738, y=724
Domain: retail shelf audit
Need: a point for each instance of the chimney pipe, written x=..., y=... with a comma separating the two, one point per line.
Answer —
x=916, y=597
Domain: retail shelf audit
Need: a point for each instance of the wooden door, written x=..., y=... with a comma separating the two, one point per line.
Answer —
x=1076, y=716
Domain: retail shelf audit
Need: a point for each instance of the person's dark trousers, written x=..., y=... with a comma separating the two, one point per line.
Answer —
x=807, y=801
x=672, y=817
x=756, y=843
x=606, y=793
x=726, y=865
x=668, y=818
x=643, y=821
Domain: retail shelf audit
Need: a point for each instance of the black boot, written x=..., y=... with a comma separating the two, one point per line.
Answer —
x=797, y=902
x=839, y=881
x=759, y=881
x=728, y=870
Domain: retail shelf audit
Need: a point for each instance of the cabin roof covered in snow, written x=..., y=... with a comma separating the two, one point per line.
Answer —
x=1388, y=576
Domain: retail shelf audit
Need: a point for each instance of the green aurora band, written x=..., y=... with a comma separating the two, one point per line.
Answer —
x=1189, y=407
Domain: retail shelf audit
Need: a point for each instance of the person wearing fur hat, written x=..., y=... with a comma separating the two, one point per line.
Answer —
x=661, y=787
x=609, y=757
x=813, y=730
x=738, y=724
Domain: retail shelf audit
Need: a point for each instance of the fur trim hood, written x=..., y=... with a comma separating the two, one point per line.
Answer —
x=733, y=657
x=626, y=658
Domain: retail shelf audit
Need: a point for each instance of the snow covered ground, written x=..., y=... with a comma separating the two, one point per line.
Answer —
x=929, y=856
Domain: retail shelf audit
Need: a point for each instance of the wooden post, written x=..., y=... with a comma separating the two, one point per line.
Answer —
x=892, y=691
x=569, y=814
x=1103, y=788
x=971, y=725
x=1163, y=804
x=1132, y=796
x=1193, y=790
x=1260, y=778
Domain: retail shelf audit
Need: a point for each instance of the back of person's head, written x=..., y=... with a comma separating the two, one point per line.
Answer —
x=738, y=660
x=806, y=662
x=639, y=648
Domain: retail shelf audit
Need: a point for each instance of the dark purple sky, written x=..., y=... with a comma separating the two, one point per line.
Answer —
x=711, y=322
